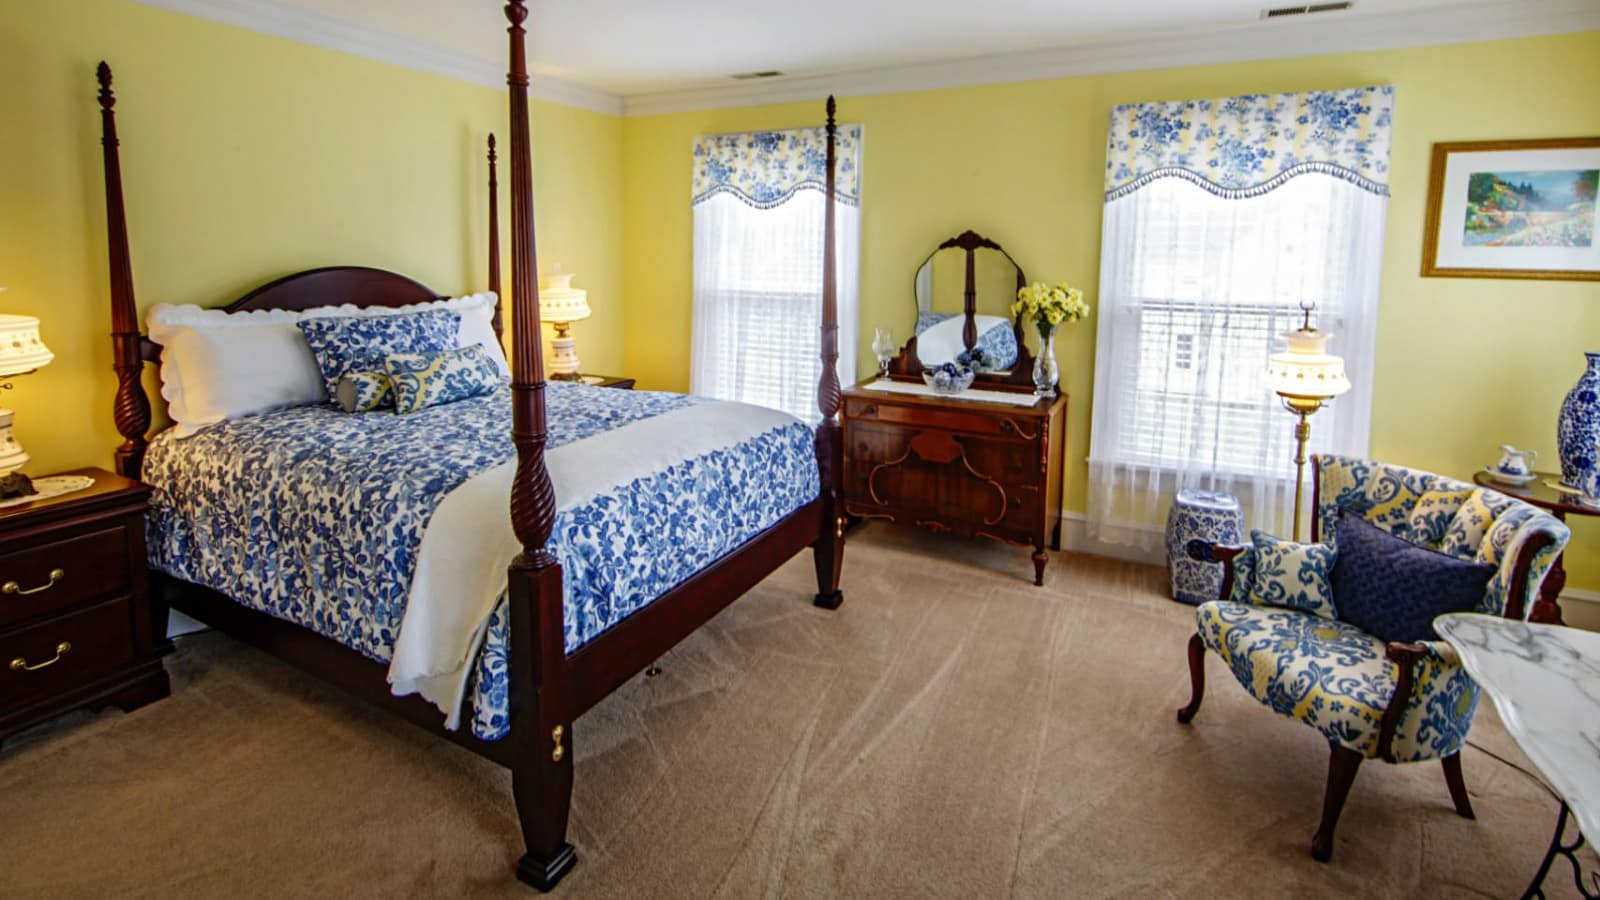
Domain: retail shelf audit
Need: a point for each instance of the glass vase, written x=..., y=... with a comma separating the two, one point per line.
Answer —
x=1045, y=371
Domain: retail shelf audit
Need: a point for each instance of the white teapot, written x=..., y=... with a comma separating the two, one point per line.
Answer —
x=1516, y=463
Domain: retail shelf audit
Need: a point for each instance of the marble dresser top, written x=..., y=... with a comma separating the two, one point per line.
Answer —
x=1545, y=681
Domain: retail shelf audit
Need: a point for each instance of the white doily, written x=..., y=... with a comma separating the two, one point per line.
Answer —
x=54, y=486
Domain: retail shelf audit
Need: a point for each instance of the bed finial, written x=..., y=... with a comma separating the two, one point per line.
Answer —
x=132, y=406
x=833, y=108
x=494, y=243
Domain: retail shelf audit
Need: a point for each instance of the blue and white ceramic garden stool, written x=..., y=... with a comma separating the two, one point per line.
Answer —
x=1209, y=516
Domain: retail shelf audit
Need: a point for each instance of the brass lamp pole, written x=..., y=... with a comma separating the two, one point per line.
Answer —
x=1306, y=376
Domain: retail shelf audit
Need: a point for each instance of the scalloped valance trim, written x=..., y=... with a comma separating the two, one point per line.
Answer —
x=1247, y=145
x=766, y=168
x=1257, y=190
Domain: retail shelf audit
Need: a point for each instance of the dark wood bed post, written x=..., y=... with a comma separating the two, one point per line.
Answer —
x=541, y=776
x=494, y=242
x=829, y=549
x=132, y=409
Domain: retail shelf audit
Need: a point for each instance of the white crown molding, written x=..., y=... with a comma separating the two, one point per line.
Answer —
x=310, y=27
x=1311, y=36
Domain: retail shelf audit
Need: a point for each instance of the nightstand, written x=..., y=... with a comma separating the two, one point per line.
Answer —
x=609, y=381
x=76, y=623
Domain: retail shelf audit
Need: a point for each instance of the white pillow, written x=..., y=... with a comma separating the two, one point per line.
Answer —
x=217, y=365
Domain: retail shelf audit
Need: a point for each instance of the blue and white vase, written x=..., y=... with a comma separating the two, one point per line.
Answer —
x=1578, y=431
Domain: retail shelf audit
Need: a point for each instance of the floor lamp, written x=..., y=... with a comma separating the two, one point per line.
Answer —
x=1306, y=376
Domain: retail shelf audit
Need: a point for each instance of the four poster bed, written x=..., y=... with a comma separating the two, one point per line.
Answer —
x=562, y=636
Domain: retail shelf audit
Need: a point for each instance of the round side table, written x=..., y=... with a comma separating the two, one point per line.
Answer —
x=1560, y=504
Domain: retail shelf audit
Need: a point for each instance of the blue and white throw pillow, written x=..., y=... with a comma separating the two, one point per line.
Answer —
x=1472, y=523
x=422, y=380
x=364, y=392
x=1292, y=575
x=350, y=344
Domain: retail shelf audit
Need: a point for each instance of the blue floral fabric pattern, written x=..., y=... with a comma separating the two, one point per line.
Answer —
x=1334, y=677
x=364, y=392
x=299, y=513
x=623, y=550
x=1292, y=575
x=344, y=344
x=997, y=342
x=1431, y=517
x=766, y=168
x=422, y=380
x=1247, y=145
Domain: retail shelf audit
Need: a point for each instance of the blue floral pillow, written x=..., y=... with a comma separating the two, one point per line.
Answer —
x=361, y=344
x=1292, y=575
x=422, y=380
x=364, y=392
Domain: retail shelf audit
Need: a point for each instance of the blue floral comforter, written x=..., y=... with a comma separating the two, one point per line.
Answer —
x=316, y=516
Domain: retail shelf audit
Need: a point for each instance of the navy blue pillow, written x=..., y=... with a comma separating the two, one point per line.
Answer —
x=1392, y=589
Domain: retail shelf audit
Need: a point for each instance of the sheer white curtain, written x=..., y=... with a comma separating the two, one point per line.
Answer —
x=1198, y=280
x=758, y=300
x=759, y=207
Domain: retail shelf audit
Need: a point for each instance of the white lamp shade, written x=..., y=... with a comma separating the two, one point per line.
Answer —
x=560, y=302
x=1307, y=370
x=21, y=349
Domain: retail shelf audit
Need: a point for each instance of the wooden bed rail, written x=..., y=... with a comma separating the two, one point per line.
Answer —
x=132, y=407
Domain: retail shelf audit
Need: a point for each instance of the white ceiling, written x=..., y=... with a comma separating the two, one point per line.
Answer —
x=666, y=52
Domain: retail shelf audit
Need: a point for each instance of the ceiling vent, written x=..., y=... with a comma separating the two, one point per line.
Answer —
x=1284, y=11
x=770, y=73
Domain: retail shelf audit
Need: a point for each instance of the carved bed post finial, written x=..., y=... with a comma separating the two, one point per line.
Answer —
x=828, y=388
x=533, y=502
x=132, y=407
x=494, y=241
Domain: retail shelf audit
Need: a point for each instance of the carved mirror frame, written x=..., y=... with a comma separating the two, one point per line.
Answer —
x=907, y=366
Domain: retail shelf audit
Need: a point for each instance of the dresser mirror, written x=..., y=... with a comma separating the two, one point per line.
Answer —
x=963, y=292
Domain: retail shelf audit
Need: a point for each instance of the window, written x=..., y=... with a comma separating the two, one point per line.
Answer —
x=1222, y=218
x=758, y=240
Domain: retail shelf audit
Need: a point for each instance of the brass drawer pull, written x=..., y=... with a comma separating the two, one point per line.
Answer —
x=11, y=587
x=20, y=664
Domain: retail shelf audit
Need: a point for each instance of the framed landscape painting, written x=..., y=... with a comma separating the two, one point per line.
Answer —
x=1514, y=209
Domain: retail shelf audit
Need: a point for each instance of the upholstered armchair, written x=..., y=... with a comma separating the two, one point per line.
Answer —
x=1398, y=702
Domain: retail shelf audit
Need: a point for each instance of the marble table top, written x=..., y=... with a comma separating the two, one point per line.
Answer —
x=1545, y=681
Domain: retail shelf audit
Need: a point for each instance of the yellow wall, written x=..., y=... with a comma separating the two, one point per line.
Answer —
x=1463, y=365
x=246, y=157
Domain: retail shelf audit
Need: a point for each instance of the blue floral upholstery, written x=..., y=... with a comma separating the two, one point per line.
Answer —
x=1292, y=575
x=360, y=392
x=1335, y=677
x=343, y=344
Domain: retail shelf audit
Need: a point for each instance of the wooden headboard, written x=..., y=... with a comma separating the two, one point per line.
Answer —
x=336, y=286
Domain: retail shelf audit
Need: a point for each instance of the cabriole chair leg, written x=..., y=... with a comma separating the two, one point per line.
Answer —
x=1197, y=679
x=1343, y=764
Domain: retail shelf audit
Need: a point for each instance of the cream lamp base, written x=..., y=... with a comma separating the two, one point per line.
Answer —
x=12, y=456
x=563, y=355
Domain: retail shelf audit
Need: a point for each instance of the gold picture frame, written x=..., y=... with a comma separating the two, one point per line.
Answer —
x=1453, y=183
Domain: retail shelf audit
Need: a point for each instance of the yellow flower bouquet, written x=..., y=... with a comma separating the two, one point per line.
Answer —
x=1048, y=305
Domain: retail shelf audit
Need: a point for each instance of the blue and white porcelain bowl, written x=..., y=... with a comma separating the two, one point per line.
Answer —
x=948, y=378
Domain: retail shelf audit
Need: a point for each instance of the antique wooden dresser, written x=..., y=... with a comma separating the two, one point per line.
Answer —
x=962, y=467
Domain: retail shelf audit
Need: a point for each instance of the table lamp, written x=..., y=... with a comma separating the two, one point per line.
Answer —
x=21, y=352
x=1306, y=376
x=561, y=304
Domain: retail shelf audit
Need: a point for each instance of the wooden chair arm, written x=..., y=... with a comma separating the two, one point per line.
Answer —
x=1405, y=657
x=1205, y=551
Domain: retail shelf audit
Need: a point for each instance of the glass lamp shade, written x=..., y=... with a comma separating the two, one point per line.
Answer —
x=1307, y=371
x=21, y=349
x=560, y=302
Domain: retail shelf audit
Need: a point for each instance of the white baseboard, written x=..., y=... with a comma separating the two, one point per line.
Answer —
x=1075, y=537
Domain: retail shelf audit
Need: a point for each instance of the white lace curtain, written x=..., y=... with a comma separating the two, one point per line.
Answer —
x=1221, y=218
x=759, y=203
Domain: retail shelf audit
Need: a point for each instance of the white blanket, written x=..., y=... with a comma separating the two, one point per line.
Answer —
x=468, y=544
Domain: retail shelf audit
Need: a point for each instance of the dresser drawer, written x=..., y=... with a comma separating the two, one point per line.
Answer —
x=49, y=578
x=62, y=653
x=988, y=422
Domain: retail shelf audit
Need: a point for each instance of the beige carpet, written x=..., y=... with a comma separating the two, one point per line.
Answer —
x=952, y=731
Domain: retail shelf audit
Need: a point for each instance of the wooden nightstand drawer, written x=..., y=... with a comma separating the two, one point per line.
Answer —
x=59, y=575
x=66, y=651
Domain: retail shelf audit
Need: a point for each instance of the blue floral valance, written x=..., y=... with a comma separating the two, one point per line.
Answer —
x=766, y=168
x=1247, y=145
